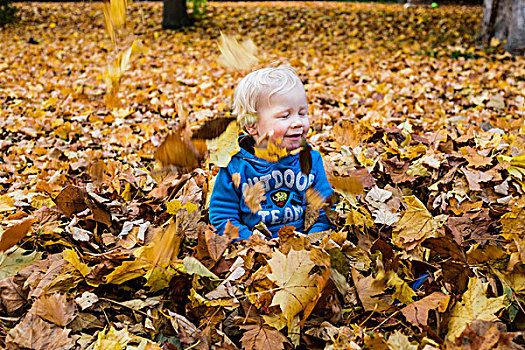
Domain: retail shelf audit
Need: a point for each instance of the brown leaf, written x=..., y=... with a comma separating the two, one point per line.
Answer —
x=254, y=195
x=456, y=276
x=352, y=184
x=474, y=178
x=216, y=244
x=417, y=312
x=212, y=128
x=35, y=333
x=55, y=308
x=231, y=231
x=71, y=200
x=13, y=295
x=398, y=170
x=15, y=233
x=305, y=158
x=177, y=152
x=259, y=336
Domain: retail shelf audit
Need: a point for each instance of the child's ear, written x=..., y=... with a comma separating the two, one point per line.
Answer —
x=251, y=129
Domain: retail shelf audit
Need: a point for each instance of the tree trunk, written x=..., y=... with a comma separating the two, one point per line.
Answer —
x=175, y=14
x=505, y=20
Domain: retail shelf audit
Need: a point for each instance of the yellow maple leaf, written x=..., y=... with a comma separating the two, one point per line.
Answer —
x=236, y=55
x=222, y=148
x=297, y=287
x=474, y=305
x=272, y=152
x=415, y=225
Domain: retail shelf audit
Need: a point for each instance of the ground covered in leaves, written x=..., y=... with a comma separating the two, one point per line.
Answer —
x=101, y=248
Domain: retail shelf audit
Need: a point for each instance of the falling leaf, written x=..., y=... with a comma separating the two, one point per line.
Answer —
x=347, y=184
x=305, y=157
x=236, y=179
x=254, y=195
x=272, y=152
x=474, y=305
x=235, y=55
x=315, y=202
x=222, y=148
x=175, y=151
x=212, y=128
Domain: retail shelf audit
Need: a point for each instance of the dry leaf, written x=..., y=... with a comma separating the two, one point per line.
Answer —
x=15, y=233
x=235, y=55
x=55, y=308
x=259, y=336
x=415, y=225
x=35, y=333
x=254, y=195
x=474, y=305
x=177, y=152
x=272, y=152
x=291, y=273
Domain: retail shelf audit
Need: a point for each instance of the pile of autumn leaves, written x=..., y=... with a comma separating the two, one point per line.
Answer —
x=427, y=254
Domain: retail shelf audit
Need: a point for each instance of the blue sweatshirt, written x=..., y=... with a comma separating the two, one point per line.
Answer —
x=285, y=186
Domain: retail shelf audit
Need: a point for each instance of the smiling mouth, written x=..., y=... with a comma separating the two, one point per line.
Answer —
x=294, y=137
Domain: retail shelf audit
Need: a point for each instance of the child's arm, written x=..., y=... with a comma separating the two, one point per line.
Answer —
x=225, y=205
x=322, y=185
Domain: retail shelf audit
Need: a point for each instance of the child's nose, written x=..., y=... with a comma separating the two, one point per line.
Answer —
x=296, y=121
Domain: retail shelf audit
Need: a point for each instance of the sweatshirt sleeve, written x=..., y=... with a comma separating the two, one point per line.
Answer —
x=322, y=185
x=225, y=205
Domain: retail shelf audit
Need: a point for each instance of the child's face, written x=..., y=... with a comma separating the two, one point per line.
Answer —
x=285, y=117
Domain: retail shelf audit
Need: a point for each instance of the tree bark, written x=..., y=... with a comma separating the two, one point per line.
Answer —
x=175, y=14
x=505, y=20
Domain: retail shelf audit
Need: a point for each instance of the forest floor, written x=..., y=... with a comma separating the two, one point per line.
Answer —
x=102, y=248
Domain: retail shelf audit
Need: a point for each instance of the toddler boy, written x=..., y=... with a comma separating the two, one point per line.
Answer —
x=270, y=104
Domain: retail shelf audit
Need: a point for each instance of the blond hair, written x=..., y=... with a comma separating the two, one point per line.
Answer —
x=258, y=84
